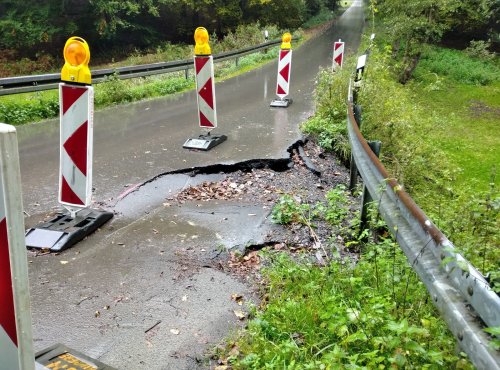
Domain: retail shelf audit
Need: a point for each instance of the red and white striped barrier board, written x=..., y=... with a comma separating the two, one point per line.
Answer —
x=16, y=348
x=284, y=70
x=338, y=54
x=207, y=112
x=76, y=121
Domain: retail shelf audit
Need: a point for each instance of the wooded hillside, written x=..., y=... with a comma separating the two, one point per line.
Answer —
x=33, y=27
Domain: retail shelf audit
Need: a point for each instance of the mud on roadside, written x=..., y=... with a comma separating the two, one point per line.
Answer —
x=312, y=173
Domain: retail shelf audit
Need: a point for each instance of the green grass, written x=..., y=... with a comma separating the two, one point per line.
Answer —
x=458, y=66
x=443, y=151
x=371, y=314
x=468, y=129
x=465, y=93
x=337, y=317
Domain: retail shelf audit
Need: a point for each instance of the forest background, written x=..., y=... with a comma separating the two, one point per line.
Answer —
x=32, y=31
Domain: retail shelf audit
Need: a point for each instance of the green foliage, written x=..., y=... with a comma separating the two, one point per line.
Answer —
x=480, y=49
x=324, y=15
x=445, y=164
x=370, y=315
x=31, y=108
x=495, y=342
x=328, y=123
x=338, y=205
x=30, y=25
x=289, y=210
x=475, y=232
x=459, y=66
x=415, y=23
x=390, y=112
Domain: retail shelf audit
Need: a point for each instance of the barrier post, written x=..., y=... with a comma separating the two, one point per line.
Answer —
x=205, y=93
x=353, y=171
x=76, y=107
x=375, y=146
x=358, y=76
x=284, y=72
x=16, y=341
x=338, y=55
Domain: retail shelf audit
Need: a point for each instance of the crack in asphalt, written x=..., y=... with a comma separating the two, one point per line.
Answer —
x=276, y=164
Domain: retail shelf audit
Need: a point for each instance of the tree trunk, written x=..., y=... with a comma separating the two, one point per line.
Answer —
x=396, y=44
x=410, y=68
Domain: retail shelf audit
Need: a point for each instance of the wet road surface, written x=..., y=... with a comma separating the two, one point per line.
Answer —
x=140, y=293
x=135, y=142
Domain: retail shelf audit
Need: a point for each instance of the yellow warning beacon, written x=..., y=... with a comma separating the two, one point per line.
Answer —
x=286, y=41
x=76, y=56
x=201, y=38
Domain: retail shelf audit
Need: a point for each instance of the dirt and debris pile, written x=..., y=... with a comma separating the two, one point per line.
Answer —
x=265, y=187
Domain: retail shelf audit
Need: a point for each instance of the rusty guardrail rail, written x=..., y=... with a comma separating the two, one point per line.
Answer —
x=23, y=84
x=461, y=294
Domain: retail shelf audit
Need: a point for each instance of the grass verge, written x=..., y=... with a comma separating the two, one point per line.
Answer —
x=439, y=139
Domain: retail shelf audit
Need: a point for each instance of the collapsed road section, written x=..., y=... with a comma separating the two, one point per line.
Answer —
x=156, y=292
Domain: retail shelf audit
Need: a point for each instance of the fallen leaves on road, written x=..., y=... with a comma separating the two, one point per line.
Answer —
x=238, y=298
x=246, y=263
x=255, y=183
x=239, y=314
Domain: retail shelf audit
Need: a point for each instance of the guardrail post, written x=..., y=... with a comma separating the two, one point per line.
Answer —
x=367, y=198
x=186, y=73
x=353, y=170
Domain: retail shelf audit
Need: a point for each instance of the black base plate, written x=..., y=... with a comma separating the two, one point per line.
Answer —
x=62, y=357
x=63, y=230
x=204, y=142
x=281, y=103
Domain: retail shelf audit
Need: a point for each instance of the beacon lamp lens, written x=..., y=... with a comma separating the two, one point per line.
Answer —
x=75, y=53
x=287, y=37
x=201, y=35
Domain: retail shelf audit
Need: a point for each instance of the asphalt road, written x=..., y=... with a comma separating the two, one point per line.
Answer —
x=140, y=294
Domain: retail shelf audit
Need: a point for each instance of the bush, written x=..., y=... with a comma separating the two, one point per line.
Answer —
x=28, y=109
x=480, y=49
x=328, y=123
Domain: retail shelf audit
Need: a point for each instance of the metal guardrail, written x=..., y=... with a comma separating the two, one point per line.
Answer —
x=23, y=84
x=458, y=290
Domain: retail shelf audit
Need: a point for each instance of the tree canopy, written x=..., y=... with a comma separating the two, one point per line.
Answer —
x=33, y=27
x=413, y=23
